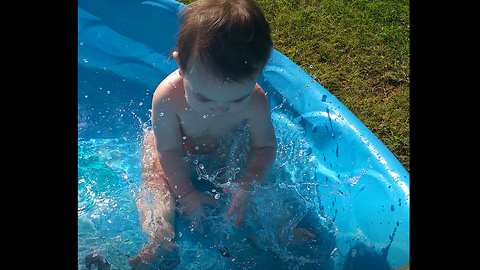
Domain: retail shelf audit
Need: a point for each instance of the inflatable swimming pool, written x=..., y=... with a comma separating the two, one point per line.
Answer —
x=363, y=190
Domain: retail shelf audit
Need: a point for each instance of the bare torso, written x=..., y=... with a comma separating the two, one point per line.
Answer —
x=201, y=132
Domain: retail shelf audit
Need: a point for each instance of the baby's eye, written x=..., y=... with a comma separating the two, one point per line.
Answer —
x=239, y=101
x=202, y=99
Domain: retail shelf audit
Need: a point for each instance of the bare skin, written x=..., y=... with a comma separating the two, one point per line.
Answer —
x=191, y=111
x=200, y=108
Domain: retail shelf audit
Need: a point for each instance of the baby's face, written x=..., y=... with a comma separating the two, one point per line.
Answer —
x=207, y=94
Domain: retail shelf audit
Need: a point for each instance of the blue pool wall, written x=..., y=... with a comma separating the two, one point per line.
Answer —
x=365, y=188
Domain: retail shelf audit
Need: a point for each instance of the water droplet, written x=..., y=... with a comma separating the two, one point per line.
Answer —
x=354, y=252
x=196, y=147
x=217, y=196
x=311, y=66
x=205, y=116
x=174, y=86
x=85, y=60
x=161, y=114
x=140, y=103
x=86, y=96
x=108, y=92
x=81, y=43
x=184, y=137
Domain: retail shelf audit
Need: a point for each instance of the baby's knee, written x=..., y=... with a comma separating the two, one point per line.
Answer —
x=166, y=238
x=149, y=150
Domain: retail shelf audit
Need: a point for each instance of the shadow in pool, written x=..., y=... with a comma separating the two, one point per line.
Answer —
x=316, y=254
x=362, y=257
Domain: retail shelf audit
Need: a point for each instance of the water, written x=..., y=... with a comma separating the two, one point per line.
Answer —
x=296, y=196
x=107, y=214
x=109, y=179
x=307, y=187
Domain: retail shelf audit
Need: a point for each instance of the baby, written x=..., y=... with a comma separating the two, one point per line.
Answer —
x=222, y=47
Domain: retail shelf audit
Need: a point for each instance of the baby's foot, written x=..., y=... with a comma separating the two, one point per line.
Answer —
x=138, y=263
x=301, y=235
x=145, y=261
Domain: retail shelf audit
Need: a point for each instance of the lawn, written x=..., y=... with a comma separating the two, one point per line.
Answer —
x=359, y=50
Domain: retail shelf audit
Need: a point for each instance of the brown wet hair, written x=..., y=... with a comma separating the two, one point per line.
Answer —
x=231, y=38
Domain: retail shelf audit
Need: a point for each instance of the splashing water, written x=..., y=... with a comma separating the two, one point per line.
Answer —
x=107, y=215
x=109, y=180
x=276, y=209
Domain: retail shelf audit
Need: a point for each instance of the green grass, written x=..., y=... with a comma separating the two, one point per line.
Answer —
x=359, y=50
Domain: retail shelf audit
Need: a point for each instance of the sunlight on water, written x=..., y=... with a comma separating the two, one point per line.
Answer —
x=107, y=215
x=108, y=181
x=305, y=190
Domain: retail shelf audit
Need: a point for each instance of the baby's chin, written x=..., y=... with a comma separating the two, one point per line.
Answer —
x=207, y=113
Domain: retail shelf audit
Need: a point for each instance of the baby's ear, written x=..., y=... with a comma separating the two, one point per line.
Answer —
x=177, y=59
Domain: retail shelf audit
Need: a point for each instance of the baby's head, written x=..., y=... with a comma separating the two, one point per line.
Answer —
x=222, y=44
x=231, y=38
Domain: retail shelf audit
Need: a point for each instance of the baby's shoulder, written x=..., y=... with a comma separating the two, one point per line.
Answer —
x=170, y=90
x=259, y=99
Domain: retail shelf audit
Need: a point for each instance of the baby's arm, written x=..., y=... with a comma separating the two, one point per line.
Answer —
x=168, y=139
x=263, y=148
x=169, y=144
x=263, y=143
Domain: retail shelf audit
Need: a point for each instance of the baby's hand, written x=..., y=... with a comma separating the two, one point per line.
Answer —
x=240, y=200
x=193, y=203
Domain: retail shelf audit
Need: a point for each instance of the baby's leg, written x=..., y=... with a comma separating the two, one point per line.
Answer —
x=156, y=208
x=280, y=211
